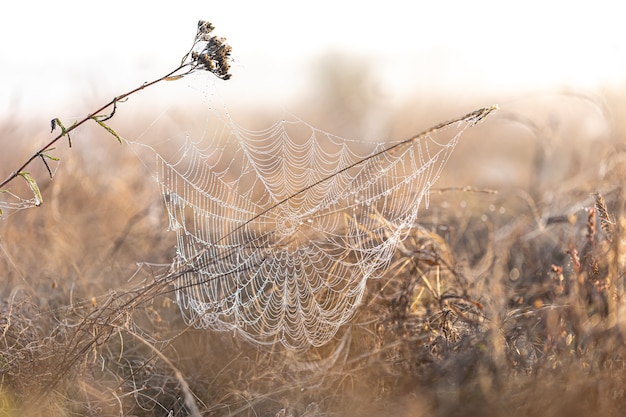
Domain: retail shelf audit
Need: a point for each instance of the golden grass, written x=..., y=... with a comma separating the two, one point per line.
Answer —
x=497, y=304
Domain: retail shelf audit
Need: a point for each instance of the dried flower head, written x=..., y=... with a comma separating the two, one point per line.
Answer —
x=204, y=30
x=214, y=55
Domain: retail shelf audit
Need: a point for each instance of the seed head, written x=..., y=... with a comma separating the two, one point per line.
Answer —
x=605, y=220
x=204, y=30
x=213, y=54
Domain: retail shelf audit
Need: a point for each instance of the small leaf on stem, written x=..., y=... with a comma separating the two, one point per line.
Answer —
x=107, y=128
x=33, y=186
x=56, y=122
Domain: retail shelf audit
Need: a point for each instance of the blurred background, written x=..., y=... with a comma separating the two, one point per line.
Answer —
x=371, y=71
x=57, y=53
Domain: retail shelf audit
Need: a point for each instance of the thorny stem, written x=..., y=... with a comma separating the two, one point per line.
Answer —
x=213, y=58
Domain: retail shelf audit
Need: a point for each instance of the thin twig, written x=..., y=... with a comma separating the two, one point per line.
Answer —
x=47, y=146
x=214, y=58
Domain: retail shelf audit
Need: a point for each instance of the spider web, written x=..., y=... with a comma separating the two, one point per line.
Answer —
x=278, y=230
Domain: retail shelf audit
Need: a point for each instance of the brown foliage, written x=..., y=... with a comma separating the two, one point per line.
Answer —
x=497, y=304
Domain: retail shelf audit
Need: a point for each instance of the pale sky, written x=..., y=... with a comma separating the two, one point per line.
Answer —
x=59, y=51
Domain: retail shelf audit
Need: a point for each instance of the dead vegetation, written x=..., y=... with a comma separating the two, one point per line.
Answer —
x=506, y=303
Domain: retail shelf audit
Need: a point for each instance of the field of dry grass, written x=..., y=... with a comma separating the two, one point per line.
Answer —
x=506, y=300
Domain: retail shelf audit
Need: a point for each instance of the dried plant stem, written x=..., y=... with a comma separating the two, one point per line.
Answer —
x=188, y=396
x=213, y=57
x=90, y=116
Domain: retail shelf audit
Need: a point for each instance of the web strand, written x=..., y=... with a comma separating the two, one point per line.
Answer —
x=278, y=230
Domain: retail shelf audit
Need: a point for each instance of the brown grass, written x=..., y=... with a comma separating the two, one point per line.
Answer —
x=497, y=304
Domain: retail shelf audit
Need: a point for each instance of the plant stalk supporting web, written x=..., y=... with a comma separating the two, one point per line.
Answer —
x=279, y=230
x=207, y=53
